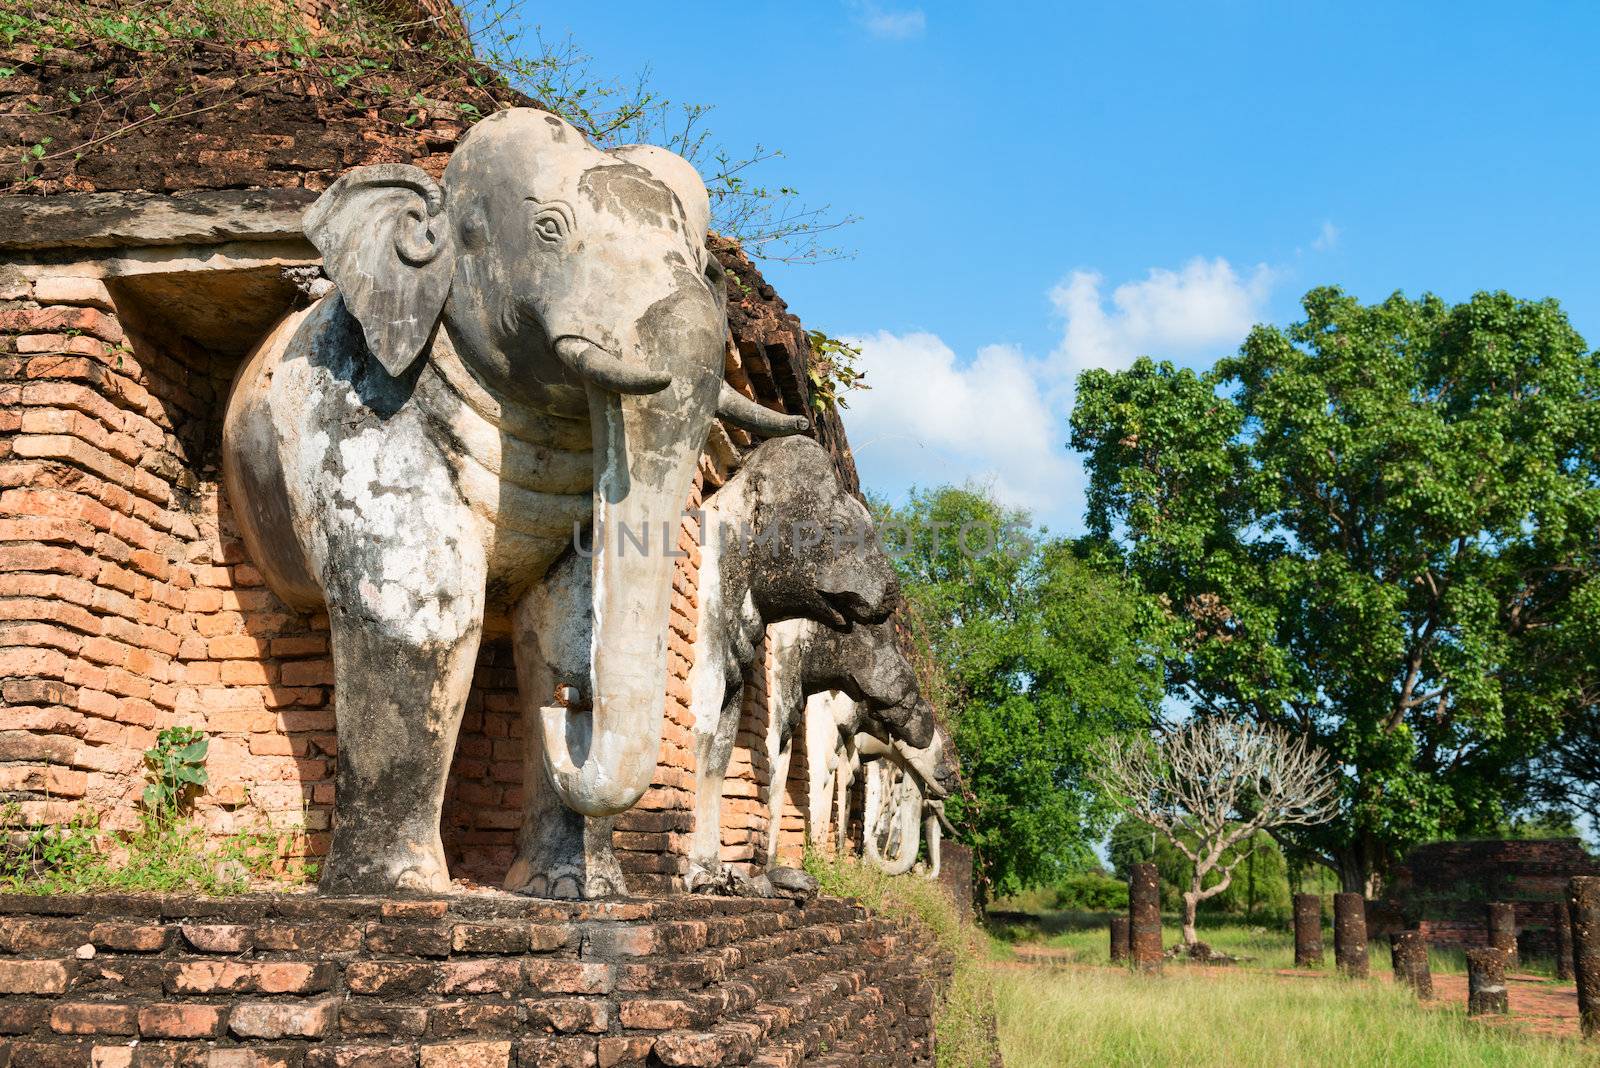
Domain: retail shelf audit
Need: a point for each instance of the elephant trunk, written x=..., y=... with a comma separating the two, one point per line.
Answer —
x=600, y=752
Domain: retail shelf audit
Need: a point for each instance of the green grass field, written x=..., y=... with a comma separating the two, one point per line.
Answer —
x=1084, y=937
x=1243, y=1019
x=1070, y=1012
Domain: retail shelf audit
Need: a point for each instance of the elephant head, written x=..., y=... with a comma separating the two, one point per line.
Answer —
x=574, y=288
x=868, y=663
x=811, y=552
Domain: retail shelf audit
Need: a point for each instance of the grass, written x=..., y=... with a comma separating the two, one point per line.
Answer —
x=1243, y=1020
x=161, y=855
x=963, y=1024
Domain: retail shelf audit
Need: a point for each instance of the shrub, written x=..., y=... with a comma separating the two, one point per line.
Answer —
x=1091, y=892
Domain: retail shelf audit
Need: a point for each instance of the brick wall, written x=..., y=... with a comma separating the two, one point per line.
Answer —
x=468, y=982
x=128, y=603
x=1443, y=887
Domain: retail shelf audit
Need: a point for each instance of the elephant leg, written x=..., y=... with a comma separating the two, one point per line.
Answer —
x=560, y=853
x=400, y=688
x=821, y=760
x=843, y=777
x=781, y=754
x=713, y=752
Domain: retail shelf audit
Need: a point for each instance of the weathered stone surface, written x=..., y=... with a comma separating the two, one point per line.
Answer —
x=1500, y=919
x=1486, y=981
x=1350, y=935
x=133, y=220
x=1144, y=917
x=1409, y=957
x=1583, y=905
x=1307, y=930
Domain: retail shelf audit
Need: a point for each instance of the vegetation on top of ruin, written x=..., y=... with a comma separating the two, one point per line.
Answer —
x=391, y=61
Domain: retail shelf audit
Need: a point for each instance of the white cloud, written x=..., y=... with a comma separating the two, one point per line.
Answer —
x=1203, y=304
x=1001, y=418
x=1327, y=238
x=893, y=25
x=928, y=420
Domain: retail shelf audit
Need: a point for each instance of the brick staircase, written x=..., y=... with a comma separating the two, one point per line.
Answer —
x=473, y=981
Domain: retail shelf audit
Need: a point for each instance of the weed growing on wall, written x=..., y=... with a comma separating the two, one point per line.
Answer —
x=964, y=1020
x=834, y=370
x=169, y=851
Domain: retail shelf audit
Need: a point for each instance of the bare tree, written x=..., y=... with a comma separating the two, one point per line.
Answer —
x=1211, y=785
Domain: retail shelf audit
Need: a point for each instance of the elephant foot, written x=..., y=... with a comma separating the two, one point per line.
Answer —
x=565, y=882
x=411, y=871
x=706, y=878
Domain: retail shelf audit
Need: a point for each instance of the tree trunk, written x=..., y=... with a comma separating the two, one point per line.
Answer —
x=1191, y=902
x=1355, y=869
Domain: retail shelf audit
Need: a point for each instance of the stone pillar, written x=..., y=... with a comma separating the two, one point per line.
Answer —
x=1119, y=939
x=1502, y=924
x=1486, y=981
x=1583, y=903
x=1350, y=934
x=1144, y=917
x=1408, y=952
x=1308, y=930
x=1563, y=944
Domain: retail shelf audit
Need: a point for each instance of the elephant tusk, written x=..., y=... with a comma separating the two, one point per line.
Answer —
x=594, y=364
x=746, y=414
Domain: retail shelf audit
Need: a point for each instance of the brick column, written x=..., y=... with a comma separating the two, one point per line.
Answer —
x=1307, y=930
x=1119, y=939
x=1563, y=929
x=1486, y=981
x=1144, y=917
x=1501, y=920
x=1583, y=903
x=1350, y=934
x=1408, y=952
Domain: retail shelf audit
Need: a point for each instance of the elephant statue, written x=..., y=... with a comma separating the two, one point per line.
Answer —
x=783, y=541
x=878, y=694
x=905, y=792
x=512, y=381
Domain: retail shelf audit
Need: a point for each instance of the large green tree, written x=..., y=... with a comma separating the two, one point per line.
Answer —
x=1033, y=657
x=1378, y=529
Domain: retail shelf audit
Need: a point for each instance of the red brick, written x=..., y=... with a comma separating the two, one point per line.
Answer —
x=219, y=937
x=390, y=977
x=568, y=976
x=361, y=1057
x=184, y=1020
x=94, y=1018
x=129, y=937
x=617, y=1051
x=480, y=977
x=569, y=1014
x=284, y=1019
x=466, y=1055
x=33, y=977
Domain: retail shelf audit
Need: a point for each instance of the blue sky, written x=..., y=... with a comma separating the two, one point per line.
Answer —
x=1047, y=187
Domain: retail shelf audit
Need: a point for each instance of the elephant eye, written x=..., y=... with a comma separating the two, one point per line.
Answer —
x=551, y=224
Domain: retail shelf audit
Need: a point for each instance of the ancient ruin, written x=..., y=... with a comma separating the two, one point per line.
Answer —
x=393, y=463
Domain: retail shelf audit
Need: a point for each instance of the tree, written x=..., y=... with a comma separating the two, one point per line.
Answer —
x=1211, y=787
x=1033, y=657
x=1376, y=529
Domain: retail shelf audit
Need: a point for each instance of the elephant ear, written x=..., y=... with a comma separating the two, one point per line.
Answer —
x=384, y=241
